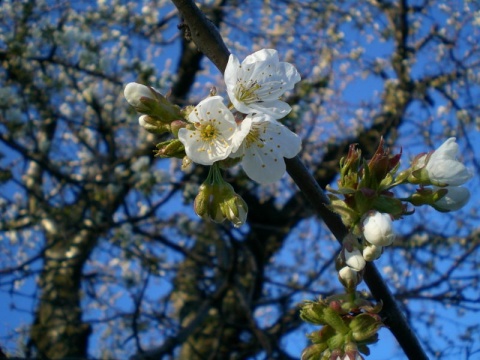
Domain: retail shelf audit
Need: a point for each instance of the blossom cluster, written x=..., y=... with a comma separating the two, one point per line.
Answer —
x=252, y=132
x=246, y=131
x=369, y=207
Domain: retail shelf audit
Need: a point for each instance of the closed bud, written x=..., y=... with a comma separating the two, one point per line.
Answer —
x=314, y=352
x=313, y=312
x=371, y=252
x=349, y=278
x=378, y=228
x=153, y=125
x=146, y=100
x=455, y=198
x=139, y=96
x=186, y=162
x=206, y=203
x=351, y=352
x=235, y=209
x=427, y=196
x=444, y=199
x=176, y=125
x=170, y=148
x=217, y=200
x=440, y=167
x=354, y=259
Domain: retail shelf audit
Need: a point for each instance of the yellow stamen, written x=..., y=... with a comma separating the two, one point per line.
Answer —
x=247, y=94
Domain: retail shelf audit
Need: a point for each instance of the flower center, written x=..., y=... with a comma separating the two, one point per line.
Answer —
x=247, y=93
x=253, y=137
x=208, y=132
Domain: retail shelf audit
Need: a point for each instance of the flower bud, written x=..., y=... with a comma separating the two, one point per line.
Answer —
x=349, y=166
x=313, y=312
x=186, y=162
x=371, y=252
x=351, y=352
x=455, y=198
x=206, y=204
x=354, y=259
x=349, y=278
x=314, y=352
x=147, y=100
x=440, y=168
x=176, y=125
x=217, y=200
x=170, y=148
x=377, y=228
x=235, y=209
x=153, y=125
x=365, y=326
x=427, y=196
x=135, y=93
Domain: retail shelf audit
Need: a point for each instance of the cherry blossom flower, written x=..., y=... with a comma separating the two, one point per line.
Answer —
x=214, y=134
x=255, y=85
x=266, y=144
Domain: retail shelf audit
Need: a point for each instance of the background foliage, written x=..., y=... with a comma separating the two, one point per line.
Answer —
x=101, y=253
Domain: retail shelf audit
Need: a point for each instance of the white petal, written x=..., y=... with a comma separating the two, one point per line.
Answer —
x=230, y=75
x=262, y=55
x=287, y=143
x=263, y=159
x=449, y=172
x=263, y=164
x=240, y=106
x=212, y=108
x=448, y=150
x=242, y=131
x=290, y=74
x=277, y=108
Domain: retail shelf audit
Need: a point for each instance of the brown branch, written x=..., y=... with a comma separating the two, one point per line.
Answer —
x=203, y=33
x=209, y=41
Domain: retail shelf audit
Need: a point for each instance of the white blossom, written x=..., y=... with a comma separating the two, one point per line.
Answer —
x=444, y=169
x=265, y=146
x=215, y=134
x=455, y=199
x=256, y=84
x=378, y=229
